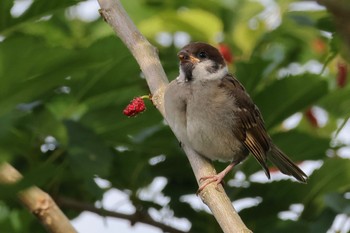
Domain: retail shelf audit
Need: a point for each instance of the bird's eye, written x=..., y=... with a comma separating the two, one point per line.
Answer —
x=202, y=55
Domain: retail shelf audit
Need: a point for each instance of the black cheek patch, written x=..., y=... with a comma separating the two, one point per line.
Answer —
x=187, y=68
x=213, y=68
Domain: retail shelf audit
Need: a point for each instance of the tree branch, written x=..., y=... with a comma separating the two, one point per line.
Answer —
x=146, y=56
x=38, y=202
x=138, y=216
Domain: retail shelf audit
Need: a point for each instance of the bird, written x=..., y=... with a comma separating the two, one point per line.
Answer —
x=209, y=110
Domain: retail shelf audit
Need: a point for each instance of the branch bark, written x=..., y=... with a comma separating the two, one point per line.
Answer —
x=38, y=202
x=146, y=55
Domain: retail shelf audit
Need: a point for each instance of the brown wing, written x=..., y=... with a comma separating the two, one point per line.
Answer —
x=250, y=127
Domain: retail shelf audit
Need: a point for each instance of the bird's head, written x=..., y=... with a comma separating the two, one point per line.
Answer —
x=201, y=61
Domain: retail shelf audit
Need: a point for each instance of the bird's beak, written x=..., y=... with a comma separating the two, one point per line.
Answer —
x=184, y=57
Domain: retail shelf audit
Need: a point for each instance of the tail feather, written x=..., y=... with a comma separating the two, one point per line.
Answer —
x=285, y=164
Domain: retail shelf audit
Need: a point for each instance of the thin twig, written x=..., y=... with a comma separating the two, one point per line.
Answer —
x=138, y=216
x=146, y=55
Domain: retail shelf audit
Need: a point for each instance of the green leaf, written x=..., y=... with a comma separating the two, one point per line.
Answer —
x=326, y=23
x=323, y=222
x=332, y=177
x=37, y=9
x=286, y=96
x=88, y=156
x=278, y=226
x=5, y=15
x=36, y=72
x=251, y=73
x=297, y=145
x=301, y=146
x=197, y=22
x=277, y=196
x=37, y=176
x=337, y=102
x=338, y=203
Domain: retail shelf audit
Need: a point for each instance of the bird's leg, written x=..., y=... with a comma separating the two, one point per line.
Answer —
x=215, y=178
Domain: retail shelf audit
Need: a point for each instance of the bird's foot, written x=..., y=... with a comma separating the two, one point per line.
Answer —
x=217, y=179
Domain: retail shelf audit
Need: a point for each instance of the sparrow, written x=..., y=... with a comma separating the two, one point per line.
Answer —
x=210, y=111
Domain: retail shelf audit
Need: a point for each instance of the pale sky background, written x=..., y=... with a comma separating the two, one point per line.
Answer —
x=118, y=201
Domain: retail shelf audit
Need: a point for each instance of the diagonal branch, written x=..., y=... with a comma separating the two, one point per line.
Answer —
x=138, y=216
x=146, y=56
x=38, y=202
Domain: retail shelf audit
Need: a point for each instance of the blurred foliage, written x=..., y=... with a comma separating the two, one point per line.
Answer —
x=64, y=83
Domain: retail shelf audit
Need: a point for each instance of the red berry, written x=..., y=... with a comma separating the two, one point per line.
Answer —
x=342, y=74
x=135, y=107
x=226, y=53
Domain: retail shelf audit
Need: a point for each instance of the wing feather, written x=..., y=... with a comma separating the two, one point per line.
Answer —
x=250, y=126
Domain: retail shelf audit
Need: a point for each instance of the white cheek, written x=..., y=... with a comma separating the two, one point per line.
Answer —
x=200, y=71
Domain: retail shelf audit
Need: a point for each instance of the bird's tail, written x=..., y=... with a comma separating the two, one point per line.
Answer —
x=285, y=165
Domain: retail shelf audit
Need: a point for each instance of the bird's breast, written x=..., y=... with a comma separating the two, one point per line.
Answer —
x=210, y=124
